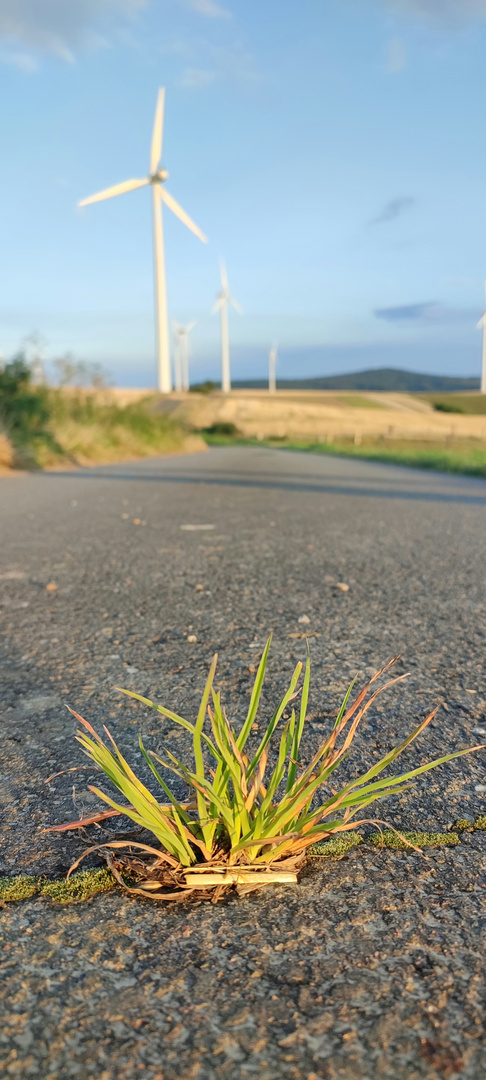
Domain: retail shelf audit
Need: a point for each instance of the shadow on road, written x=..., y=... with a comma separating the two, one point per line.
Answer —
x=277, y=484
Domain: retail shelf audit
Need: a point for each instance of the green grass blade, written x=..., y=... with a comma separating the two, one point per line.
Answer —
x=300, y=725
x=170, y=715
x=275, y=719
x=255, y=697
x=198, y=753
x=346, y=698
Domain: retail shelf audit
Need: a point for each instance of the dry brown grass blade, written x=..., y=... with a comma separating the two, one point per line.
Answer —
x=162, y=856
x=357, y=720
x=91, y=820
x=84, y=722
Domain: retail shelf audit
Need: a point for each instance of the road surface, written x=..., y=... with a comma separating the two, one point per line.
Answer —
x=369, y=968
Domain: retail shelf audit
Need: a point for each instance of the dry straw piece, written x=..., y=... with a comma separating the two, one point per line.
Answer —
x=247, y=824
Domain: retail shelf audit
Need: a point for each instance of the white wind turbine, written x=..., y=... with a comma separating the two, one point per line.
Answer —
x=272, y=369
x=482, y=326
x=223, y=299
x=156, y=179
x=181, y=354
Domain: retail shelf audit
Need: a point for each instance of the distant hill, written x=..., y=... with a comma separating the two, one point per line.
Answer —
x=393, y=380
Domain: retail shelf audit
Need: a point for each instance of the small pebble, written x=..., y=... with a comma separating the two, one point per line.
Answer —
x=480, y=789
x=197, y=528
x=304, y=619
x=342, y=585
x=192, y=638
x=479, y=731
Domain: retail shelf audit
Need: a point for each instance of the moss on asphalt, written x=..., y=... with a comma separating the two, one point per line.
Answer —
x=81, y=886
x=391, y=839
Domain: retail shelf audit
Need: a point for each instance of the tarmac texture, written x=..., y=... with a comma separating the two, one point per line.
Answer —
x=133, y=575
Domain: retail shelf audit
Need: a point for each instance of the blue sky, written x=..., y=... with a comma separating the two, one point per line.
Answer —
x=332, y=150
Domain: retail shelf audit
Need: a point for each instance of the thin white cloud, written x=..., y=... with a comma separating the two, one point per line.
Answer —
x=396, y=56
x=204, y=63
x=197, y=78
x=442, y=14
x=209, y=9
x=30, y=29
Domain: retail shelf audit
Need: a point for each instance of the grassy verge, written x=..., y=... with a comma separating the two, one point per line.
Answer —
x=465, y=456
x=42, y=427
x=85, y=430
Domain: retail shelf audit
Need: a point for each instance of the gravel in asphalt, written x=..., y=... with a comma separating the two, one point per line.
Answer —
x=134, y=575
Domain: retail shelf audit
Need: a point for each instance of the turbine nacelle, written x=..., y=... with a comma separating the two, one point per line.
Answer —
x=158, y=177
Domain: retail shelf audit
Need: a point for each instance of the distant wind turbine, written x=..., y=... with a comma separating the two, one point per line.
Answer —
x=482, y=326
x=272, y=369
x=223, y=299
x=181, y=354
x=156, y=178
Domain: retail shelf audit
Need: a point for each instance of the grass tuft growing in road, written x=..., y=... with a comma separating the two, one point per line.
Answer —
x=253, y=811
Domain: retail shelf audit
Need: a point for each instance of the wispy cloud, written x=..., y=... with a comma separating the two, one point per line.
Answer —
x=205, y=63
x=430, y=311
x=209, y=8
x=30, y=29
x=394, y=209
x=442, y=14
x=396, y=56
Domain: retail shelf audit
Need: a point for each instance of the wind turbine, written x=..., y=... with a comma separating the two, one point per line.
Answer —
x=156, y=179
x=272, y=369
x=223, y=299
x=181, y=354
x=481, y=325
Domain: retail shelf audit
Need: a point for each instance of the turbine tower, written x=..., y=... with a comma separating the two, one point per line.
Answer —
x=156, y=179
x=181, y=354
x=272, y=369
x=223, y=299
x=482, y=326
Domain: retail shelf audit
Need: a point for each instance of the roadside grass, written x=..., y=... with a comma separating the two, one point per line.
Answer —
x=466, y=456
x=41, y=427
x=253, y=811
x=87, y=430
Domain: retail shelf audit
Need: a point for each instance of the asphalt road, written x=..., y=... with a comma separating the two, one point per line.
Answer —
x=369, y=968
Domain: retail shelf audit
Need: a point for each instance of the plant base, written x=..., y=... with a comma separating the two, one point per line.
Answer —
x=158, y=881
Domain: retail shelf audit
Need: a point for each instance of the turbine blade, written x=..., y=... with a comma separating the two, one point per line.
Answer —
x=181, y=214
x=224, y=274
x=217, y=307
x=236, y=305
x=118, y=189
x=482, y=322
x=156, y=148
x=190, y=326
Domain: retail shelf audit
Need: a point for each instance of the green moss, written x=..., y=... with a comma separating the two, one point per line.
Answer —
x=21, y=887
x=81, y=886
x=336, y=846
x=389, y=839
x=463, y=823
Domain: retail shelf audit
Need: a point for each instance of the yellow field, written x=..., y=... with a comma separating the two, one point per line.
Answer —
x=329, y=416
